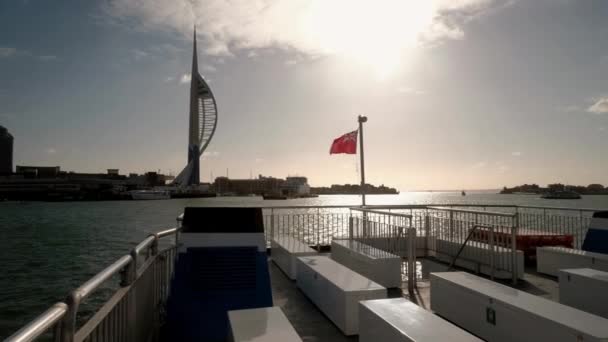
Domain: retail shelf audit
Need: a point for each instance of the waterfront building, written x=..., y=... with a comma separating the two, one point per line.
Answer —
x=202, y=124
x=6, y=151
x=51, y=183
x=292, y=186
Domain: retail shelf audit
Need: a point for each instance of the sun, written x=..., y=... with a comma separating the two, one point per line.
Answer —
x=377, y=33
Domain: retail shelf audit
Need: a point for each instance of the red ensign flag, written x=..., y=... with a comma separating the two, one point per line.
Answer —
x=345, y=144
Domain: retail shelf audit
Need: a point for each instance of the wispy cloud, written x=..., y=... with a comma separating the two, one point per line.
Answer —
x=410, y=91
x=259, y=160
x=208, y=68
x=139, y=54
x=311, y=27
x=51, y=150
x=7, y=51
x=479, y=165
x=569, y=109
x=291, y=62
x=210, y=155
x=599, y=107
x=185, y=78
x=516, y=154
x=169, y=79
x=47, y=58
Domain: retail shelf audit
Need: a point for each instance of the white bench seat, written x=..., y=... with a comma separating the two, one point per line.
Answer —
x=380, y=266
x=261, y=325
x=549, y=260
x=285, y=250
x=336, y=290
x=477, y=256
x=496, y=312
x=399, y=320
x=585, y=289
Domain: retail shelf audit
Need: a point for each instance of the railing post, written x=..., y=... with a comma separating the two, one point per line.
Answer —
x=492, y=253
x=68, y=326
x=451, y=225
x=411, y=259
x=514, y=228
x=350, y=227
x=272, y=223
x=427, y=230
x=318, y=232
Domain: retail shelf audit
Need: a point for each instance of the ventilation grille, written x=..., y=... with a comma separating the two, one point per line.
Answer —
x=223, y=269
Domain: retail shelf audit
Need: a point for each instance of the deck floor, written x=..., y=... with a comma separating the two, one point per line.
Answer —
x=312, y=325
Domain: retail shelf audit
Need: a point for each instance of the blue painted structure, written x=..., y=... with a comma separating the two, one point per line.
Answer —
x=596, y=239
x=211, y=280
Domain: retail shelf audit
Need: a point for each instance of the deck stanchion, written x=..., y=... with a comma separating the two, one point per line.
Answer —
x=514, y=248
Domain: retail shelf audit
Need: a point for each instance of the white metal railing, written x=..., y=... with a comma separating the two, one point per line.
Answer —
x=131, y=312
x=412, y=228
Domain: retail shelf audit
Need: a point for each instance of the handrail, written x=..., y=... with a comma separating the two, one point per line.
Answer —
x=475, y=227
x=495, y=213
x=167, y=232
x=40, y=324
x=414, y=206
x=381, y=212
x=559, y=208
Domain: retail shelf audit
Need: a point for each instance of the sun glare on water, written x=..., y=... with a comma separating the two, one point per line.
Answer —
x=378, y=34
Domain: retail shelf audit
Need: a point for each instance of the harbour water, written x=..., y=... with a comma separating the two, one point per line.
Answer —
x=49, y=249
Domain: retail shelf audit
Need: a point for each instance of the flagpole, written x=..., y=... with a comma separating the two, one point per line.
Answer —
x=361, y=120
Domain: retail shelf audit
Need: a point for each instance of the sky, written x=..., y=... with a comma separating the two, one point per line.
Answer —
x=461, y=94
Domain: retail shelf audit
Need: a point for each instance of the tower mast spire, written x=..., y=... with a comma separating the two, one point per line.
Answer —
x=194, y=56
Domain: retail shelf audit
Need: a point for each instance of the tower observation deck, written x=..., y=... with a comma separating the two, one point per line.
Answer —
x=203, y=121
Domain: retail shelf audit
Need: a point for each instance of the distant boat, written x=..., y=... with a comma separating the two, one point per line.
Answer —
x=563, y=194
x=463, y=193
x=150, y=194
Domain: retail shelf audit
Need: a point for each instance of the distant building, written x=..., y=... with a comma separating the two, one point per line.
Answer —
x=6, y=151
x=38, y=171
x=293, y=186
x=53, y=184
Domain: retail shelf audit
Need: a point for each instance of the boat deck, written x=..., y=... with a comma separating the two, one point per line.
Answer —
x=312, y=325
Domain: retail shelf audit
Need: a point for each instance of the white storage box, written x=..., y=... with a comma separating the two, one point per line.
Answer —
x=549, y=260
x=399, y=320
x=261, y=325
x=477, y=256
x=336, y=290
x=285, y=250
x=498, y=313
x=585, y=289
x=382, y=267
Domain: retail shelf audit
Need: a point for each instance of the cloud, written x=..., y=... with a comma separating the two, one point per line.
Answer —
x=139, y=54
x=516, y=154
x=252, y=54
x=259, y=160
x=47, y=57
x=208, y=68
x=479, y=165
x=569, y=109
x=51, y=150
x=185, y=78
x=291, y=62
x=169, y=79
x=7, y=51
x=210, y=155
x=310, y=27
x=410, y=91
x=599, y=107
